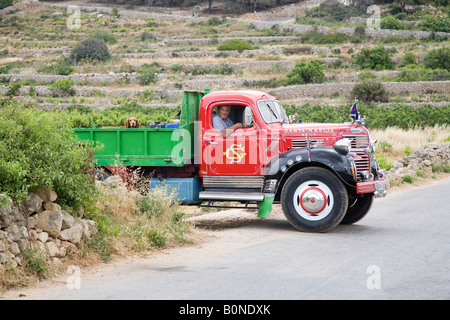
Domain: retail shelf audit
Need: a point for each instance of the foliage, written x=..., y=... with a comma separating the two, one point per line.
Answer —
x=413, y=72
x=305, y=73
x=90, y=50
x=105, y=35
x=332, y=11
x=62, y=88
x=408, y=58
x=146, y=75
x=235, y=44
x=314, y=36
x=37, y=148
x=438, y=59
x=391, y=22
x=369, y=91
x=402, y=116
x=6, y=3
x=376, y=58
x=434, y=23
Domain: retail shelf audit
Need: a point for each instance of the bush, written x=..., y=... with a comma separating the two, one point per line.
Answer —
x=376, y=58
x=434, y=23
x=369, y=91
x=413, y=72
x=90, y=50
x=305, y=73
x=438, y=59
x=391, y=22
x=104, y=35
x=146, y=75
x=408, y=58
x=235, y=44
x=332, y=11
x=37, y=149
x=62, y=88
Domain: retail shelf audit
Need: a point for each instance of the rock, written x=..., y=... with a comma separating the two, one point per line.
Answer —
x=52, y=249
x=47, y=194
x=33, y=203
x=73, y=234
x=51, y=206
x=42, y=236
x=50, y=221
x=14, y=248
x=14, y=232
x=38, y=246
x=68, y=220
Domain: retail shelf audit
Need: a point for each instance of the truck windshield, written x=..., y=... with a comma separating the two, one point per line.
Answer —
x=271, y=111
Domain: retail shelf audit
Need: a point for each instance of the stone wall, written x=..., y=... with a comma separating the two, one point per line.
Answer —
x=40, y=225
x=328, y=89
x=425, y=157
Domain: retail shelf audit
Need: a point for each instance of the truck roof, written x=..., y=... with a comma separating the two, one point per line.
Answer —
x=246, y=95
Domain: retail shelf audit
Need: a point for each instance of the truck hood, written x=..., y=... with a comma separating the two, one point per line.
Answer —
x=323, y=134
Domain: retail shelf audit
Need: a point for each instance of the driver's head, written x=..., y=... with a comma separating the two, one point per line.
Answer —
x=224, y=111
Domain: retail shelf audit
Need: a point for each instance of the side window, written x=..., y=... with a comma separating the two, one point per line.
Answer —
x=248, y=117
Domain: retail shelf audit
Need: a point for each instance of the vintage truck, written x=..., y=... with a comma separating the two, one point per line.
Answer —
x=323, y=174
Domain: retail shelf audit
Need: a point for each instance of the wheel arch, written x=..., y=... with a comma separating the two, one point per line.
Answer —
x=323, y=157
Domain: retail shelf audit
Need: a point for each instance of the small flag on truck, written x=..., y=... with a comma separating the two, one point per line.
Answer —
x=354, y=112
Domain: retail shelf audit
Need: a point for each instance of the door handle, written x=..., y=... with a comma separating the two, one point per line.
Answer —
x=212, y=142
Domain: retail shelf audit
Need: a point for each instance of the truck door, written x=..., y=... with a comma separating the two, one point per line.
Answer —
x=235, y=154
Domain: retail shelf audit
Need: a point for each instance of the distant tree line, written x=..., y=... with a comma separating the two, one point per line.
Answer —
x=231, y=6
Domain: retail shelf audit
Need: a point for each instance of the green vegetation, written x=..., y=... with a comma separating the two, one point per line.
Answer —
x=38, y=149
x=438, y=59
x=235, y=44
x=304, y=73
x=90, y=50
x=377, y=58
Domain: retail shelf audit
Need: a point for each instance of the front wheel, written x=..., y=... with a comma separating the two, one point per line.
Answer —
x=358, y=209
x=314, y=200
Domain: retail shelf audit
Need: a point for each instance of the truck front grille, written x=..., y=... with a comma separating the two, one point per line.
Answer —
x=358, y=141
x=362, y=164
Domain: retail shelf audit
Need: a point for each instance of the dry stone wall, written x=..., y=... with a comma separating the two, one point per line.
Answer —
x=39, y=224
x=425, y=157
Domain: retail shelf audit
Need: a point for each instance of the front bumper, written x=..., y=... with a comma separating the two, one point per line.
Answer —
x=377, y=187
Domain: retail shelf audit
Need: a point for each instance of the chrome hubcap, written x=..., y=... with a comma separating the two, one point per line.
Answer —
x=313, y=200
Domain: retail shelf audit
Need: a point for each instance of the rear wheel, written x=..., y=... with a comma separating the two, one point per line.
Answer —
x=314, y=200
x=358, y=209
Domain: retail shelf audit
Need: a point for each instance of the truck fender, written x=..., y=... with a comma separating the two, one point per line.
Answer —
x=281, y=167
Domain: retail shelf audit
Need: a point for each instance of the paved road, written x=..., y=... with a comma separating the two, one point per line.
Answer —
x=401, y=250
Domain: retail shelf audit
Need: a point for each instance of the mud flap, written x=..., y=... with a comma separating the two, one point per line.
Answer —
x=265, y=206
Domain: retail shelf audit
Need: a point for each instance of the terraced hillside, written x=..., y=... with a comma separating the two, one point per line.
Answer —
x=155, y=53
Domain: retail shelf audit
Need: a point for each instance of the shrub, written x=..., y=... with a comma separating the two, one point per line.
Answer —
x=306, y=73
x=104, y=35
x=146, y=75
x=408, y=58
x=62, y=88
x=37, y=148
x=413, y=72
x=235, y=44
x=6, y=3
x=438, y=59
x=376, y=58
x=332, y=11
x=391, y=22
x=434, y=23
x=90, y=50
x=369, y=91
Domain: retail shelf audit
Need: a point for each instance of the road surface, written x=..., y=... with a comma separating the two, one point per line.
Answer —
x=401, y=250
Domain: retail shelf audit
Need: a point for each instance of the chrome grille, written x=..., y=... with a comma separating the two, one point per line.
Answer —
x=302, y=143
x=362, y=164
x=358, y=141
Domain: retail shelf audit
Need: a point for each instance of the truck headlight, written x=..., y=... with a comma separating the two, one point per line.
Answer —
x=343, y=145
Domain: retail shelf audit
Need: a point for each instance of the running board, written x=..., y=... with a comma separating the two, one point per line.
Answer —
x=231, y=196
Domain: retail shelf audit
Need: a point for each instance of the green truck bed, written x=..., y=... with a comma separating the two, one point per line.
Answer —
x=145, y=146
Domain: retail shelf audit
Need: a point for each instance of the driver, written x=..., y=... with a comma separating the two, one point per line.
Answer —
x=224, y=125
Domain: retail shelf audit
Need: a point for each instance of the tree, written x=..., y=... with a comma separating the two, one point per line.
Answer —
x=306, y=73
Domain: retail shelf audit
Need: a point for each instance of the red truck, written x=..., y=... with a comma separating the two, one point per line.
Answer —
x=323, y=174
